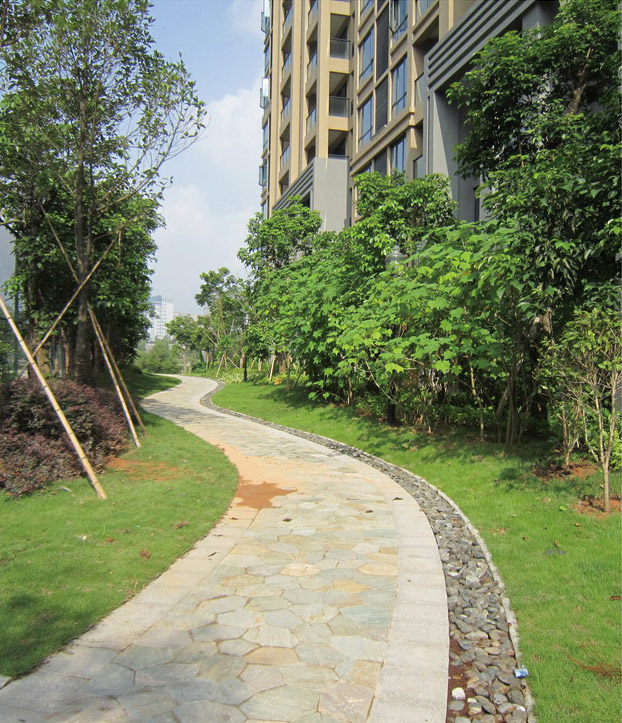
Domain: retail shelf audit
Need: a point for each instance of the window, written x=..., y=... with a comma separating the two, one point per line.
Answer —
x=367, y=55
x=419, y=167
x=263, y=174
x=398, y=156
x=399, y=88
x=365, y=6
x=382, y=43
x=266, y=135
x=365, y=120
x=382, y=102
x=266, y=58
x=380, y=163
x=399, y=18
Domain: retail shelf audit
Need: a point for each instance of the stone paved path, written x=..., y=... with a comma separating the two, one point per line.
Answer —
x=318, y=598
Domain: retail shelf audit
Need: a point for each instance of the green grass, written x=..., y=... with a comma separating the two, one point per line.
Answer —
x=562, y=601
x=67, y=558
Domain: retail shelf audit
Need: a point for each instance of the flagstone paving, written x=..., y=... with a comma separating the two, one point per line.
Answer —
x=318, y=598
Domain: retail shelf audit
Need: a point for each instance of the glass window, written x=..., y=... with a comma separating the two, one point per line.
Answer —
x=399, y=88
x=398, y=156
x=365, y=120
x=367, y=55
x=266, y=135
x=380, y=163
x=365, y=6
x=399, y=17
x=382, y=98
x=418, y=167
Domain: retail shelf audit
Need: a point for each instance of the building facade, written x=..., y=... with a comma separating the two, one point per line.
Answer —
x=163, y=312
x=359, y=85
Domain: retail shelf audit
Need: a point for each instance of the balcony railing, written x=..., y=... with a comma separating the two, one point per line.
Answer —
x=285, y=157
x=287, y=106
x=312, y=64
x=311, y=120
x=312, y=9
x=339, y=106
x=366, y=6
x=287, y=64
x=339, y=48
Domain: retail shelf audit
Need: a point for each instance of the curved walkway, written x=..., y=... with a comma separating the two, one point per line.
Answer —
x=318, y=598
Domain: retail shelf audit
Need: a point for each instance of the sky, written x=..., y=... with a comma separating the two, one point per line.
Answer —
x=215, y=187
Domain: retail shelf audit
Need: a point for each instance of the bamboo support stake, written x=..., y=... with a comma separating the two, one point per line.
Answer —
x=126, y=391
x=100, y=339
x=59, y=412
x=106, y=351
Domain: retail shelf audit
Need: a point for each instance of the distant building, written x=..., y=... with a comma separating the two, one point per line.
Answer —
x=7, y=260
x=163, y=312
x=360, y=85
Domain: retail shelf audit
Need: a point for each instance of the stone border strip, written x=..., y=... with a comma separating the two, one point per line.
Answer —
x=484, y=645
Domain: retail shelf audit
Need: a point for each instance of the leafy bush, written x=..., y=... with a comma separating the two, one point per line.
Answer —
x=34, y=449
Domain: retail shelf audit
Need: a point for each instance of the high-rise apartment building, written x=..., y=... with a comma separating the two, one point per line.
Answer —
x=359, y=85
x=163, y=312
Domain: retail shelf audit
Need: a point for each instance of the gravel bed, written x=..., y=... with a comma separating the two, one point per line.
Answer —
x=484, y=650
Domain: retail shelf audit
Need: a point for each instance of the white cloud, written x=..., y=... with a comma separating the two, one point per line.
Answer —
x=245, y=16
x=214, y=195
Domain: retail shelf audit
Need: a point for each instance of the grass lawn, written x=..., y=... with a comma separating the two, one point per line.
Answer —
x=561, y=568
x=68, y=559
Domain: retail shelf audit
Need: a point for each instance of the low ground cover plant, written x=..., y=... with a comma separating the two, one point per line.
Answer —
x=34, y=449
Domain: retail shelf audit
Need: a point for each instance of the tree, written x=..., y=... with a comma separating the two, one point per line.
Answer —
x=274, y=242
x=90, y=111
x=542, y=108
x=583, y=373
x=226, y=299
x=185, y=332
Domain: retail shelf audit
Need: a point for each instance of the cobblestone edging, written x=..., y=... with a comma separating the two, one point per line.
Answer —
x=484, y=645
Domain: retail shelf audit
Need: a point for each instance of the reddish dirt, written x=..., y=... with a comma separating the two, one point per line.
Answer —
x=157, y=471
x=580, y=470
x=595, y=506
x=258, y=496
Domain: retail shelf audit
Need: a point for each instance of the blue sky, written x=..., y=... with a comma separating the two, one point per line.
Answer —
x=215, y=189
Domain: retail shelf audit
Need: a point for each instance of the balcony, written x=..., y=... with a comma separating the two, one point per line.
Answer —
x=339, y=48
x=338, y=106
x=287, y=64
x=311, y=120
x=312, y=10
x=367, y=5
x=287, y=107
x=285, y=157
x=312, y=64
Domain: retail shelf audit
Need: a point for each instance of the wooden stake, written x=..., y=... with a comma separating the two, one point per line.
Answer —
x=101, y=338
x=102, y=345
x=59, y=412
x=126, y=391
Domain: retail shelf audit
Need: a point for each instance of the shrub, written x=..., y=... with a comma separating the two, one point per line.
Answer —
x=34, y=448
